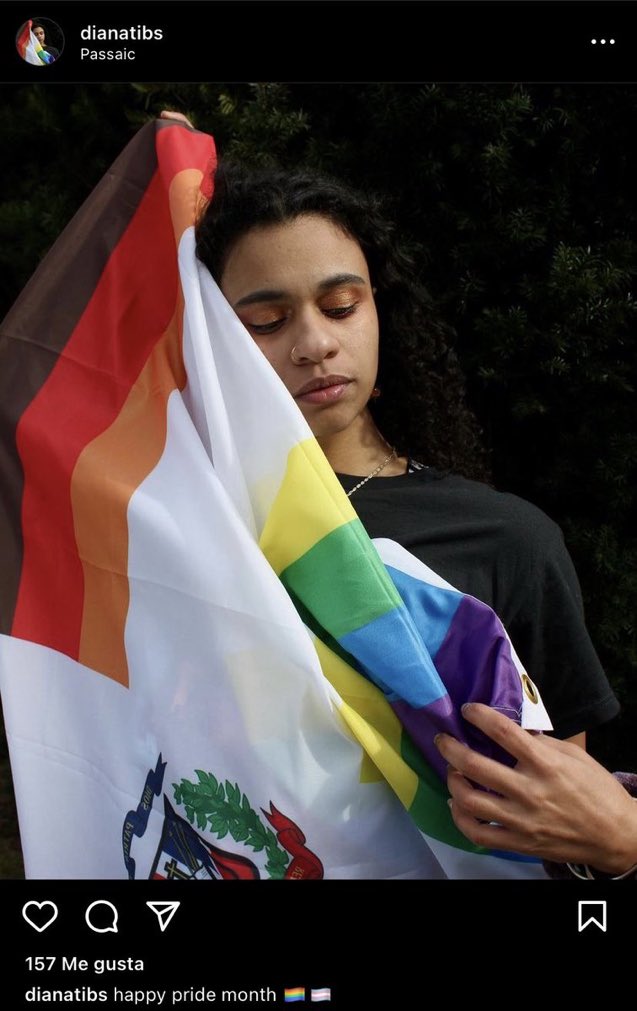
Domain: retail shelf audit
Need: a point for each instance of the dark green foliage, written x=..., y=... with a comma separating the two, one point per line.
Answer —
x=520, y=204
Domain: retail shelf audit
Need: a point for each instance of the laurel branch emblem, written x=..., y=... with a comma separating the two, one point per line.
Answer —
x=225, y=810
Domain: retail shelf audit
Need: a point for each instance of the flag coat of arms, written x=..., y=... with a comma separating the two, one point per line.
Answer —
x=208, y=670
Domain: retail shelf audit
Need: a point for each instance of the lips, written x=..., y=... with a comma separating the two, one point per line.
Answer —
x=322, y=383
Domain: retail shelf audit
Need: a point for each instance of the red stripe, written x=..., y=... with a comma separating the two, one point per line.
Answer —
x=129, y=311
x=23, y=40
x=179, y=148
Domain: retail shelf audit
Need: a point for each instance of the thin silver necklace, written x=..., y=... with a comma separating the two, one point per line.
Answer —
x=380, y=467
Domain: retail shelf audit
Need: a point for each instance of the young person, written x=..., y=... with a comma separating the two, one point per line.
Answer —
x=40, y=34
x=317, y=277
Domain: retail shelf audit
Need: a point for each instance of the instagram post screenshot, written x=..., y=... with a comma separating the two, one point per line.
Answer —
x=317, y=497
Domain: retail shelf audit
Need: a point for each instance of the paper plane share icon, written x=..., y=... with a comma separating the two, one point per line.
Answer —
x=164, y=911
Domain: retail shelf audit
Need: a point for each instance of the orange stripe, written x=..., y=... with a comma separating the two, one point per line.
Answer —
x=186, y=200
x=111, y=468
x=107, y=474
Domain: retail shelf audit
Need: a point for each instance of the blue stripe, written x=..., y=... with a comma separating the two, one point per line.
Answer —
x=431, y=607
x=520, y=858
x=394, y=658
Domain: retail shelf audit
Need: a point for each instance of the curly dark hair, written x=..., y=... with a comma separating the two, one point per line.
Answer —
x=422, y=409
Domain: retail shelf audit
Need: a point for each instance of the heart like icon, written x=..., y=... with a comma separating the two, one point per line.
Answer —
x=36, y=918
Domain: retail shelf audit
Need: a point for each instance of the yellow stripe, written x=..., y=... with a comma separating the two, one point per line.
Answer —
x=309, y=505
x=372, y=722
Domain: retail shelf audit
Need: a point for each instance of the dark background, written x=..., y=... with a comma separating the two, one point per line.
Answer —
x=53, y=35
x=520, y=205
x=268, y=934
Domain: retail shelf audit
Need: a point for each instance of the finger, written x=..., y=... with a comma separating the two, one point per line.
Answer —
x=475, y=802
x=479, y=832
x=502, y=837
x=535, y=751
x=563, y=747
x=531, y=748
x=493, y=837
x=178, y=117
x=491, y=807
x=501, y=729
x=479, y=769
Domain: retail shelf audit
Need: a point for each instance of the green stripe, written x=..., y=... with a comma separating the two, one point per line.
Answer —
x=308, y=619
x=342, y=581
x=429, y=808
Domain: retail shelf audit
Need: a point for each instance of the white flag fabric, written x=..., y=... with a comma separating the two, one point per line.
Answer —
x=30, y=49
x=188, y=691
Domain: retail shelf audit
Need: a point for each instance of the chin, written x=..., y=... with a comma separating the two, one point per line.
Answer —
x=324, y=428
x=319, y=429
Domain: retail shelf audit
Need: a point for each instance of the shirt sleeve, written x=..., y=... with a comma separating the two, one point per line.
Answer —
x=546, y=625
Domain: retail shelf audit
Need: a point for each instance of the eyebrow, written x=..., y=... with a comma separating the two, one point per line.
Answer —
x=274, y=294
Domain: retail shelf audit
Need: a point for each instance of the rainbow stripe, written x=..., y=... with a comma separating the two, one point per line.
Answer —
x=294, y=993
x=121, y=403
x=422, y=648
x=42, y=54
x=30, y=49
x=99, y=400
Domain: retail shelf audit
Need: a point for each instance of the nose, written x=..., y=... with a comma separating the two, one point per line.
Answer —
x=313, y=339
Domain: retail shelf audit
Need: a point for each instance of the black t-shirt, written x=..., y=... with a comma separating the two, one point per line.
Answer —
x=509, y=554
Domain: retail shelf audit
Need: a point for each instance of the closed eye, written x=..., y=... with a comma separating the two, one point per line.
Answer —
x=341, y=311
x=336, y=312
x=265, y=328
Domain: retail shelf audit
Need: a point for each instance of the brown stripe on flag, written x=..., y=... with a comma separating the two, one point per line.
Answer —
x=129, y=312
x=40, y=323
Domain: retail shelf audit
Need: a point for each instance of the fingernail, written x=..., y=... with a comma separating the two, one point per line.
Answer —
x=466, y=708
x=437, y=739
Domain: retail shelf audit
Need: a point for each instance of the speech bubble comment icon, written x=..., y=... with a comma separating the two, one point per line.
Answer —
x=101, y=916
x=40, y=915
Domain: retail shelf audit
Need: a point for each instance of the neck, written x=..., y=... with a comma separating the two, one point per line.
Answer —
x=359, y=449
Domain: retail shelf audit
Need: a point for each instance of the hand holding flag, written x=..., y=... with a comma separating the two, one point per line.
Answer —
x=557, y=802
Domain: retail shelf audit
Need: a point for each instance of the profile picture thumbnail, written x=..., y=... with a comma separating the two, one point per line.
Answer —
x=40, y=41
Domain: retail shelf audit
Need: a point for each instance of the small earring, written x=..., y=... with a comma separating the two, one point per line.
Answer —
x=375, y=393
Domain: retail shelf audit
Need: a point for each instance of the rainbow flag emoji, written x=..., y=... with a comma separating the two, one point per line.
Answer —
x=294, y=993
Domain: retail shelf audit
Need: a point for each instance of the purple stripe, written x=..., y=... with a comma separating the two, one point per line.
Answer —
x=422, y=725
x=475, y=665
